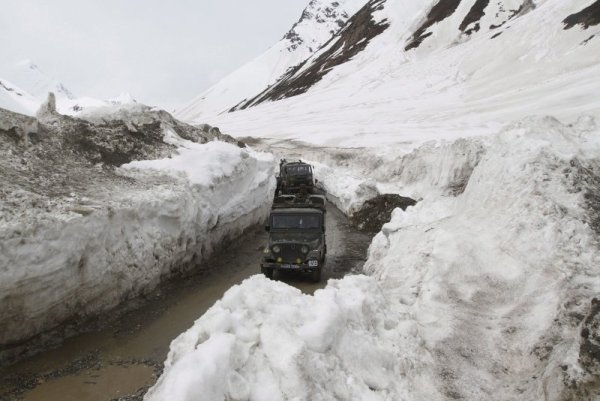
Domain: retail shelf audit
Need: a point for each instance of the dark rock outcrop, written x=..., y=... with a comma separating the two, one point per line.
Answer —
x=442, y=10
x=587, y=17
x=375, y=212
x=473, y=16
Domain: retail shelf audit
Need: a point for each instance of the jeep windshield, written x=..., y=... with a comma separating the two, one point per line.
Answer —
x=302, y=169
x=296, y=221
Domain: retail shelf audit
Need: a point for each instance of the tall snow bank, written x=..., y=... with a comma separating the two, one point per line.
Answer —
x=474, y=294
x=499, y=277
x=121, y=229
x=267, y=341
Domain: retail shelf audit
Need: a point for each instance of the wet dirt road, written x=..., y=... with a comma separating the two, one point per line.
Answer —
x=122, y=360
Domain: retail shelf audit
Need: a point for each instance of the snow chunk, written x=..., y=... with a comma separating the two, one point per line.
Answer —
x=201, y=164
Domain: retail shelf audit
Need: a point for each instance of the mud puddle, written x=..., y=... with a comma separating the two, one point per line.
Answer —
x=121, y=361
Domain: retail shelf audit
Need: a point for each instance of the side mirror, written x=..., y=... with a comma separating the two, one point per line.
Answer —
x=316, y=181
x=267, y=228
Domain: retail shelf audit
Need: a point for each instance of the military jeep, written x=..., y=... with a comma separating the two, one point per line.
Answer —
x=296, y=230
x=294, y=177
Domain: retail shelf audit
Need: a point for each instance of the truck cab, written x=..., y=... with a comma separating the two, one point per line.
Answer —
x=294, y=177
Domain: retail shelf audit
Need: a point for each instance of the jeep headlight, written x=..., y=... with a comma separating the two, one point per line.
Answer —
x=267, y=250
x=304, y=249
x=276, y=249
x=315, y=253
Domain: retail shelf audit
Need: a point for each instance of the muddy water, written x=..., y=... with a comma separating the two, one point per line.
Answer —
x=122, y=360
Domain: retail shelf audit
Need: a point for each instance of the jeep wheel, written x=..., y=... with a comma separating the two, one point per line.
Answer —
x=267, y=272
x=315, y=275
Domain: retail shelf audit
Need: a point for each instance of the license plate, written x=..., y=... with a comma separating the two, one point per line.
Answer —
x=288, y=266
x=313, y=263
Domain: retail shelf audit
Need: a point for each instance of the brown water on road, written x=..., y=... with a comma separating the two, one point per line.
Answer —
x=125, y=358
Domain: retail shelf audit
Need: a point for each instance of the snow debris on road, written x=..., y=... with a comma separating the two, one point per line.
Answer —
x=266, y=340
x=88, y=221
x=477, y=293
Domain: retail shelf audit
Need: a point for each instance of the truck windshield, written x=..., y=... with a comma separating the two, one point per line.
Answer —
x=305, y=221
x=298, y=170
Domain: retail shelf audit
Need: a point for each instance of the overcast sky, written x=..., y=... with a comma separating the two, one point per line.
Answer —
x=163, y=52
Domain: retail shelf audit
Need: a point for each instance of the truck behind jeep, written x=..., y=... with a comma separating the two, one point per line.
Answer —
x=296, y=230
x=294, y=177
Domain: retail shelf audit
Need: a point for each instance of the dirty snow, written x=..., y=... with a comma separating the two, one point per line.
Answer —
x=79, y=235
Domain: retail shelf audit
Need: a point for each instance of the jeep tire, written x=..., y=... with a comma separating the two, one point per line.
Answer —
x=267, y=271
x=315, y=275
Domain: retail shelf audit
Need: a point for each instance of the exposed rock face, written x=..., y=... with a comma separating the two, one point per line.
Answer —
x=473, y=17
x=587, y=17
x=584, y=382
x=442, y=10
x=377, y=211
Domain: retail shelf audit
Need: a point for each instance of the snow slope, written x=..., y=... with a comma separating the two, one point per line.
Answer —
x=454, y=84
x=320, y=20
x=483, y=290
x=16, y=99
x=94, y=213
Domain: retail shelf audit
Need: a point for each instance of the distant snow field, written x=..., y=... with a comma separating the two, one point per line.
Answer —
x=28, y=86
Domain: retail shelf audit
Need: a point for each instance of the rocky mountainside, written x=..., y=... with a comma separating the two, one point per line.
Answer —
x=446, y=23
x=386, y=34
x=319, y=22
x=399, y=70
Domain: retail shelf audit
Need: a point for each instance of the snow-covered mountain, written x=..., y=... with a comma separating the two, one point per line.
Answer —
x=27, y=87
x=429, y=61
x=319, y=22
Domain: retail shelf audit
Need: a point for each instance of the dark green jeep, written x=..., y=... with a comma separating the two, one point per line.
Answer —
x=294, y=177
x=296, y=236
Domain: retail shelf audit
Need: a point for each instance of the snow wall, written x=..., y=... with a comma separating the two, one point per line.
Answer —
x=91, y=261
x=480, y=291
